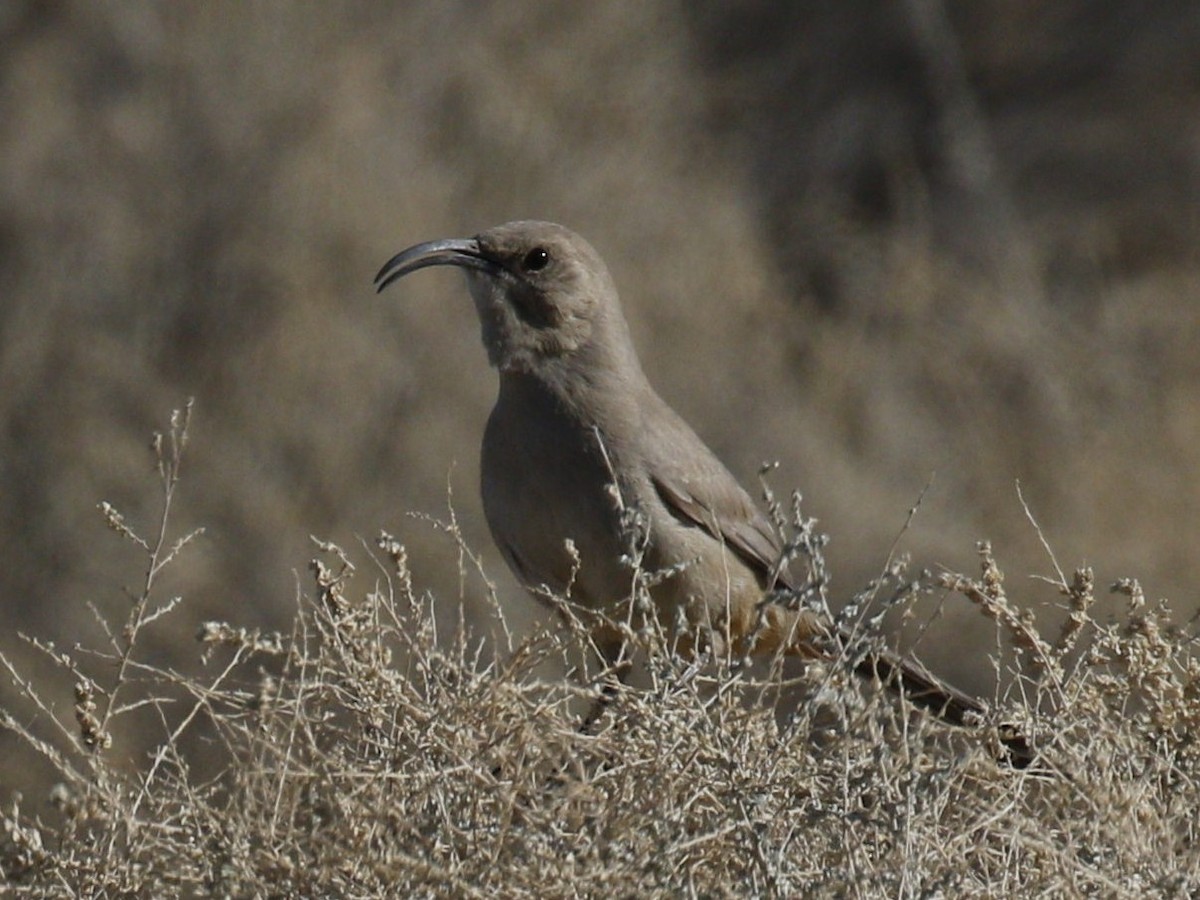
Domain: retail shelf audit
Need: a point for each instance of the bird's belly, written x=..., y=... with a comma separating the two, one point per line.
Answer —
x=556, y=526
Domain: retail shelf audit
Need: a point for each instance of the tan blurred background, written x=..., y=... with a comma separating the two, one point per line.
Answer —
x=871, y=240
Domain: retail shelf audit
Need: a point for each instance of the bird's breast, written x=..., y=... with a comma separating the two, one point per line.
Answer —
x=545, y=481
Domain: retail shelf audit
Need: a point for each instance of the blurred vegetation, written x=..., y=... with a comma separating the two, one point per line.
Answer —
x=873, y=241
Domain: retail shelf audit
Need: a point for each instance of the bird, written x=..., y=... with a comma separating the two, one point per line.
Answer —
x=579, y=444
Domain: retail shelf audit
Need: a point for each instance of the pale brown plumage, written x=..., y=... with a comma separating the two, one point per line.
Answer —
x=577, y=431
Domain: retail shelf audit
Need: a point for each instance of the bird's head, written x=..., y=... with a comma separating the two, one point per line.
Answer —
x=542, y=293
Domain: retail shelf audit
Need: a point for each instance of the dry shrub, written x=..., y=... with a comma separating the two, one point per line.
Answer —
x=368, y=753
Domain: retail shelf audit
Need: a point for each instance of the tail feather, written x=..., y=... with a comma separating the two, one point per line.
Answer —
x=907, y=677
x=800, y=632
x=920, y=687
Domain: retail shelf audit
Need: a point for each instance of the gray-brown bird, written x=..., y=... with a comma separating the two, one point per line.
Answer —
x=578, y=434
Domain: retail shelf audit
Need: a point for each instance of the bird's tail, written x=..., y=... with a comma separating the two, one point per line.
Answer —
x=907, y=677
x=804, y=633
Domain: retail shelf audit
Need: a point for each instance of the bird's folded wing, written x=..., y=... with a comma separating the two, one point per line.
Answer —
x=716, y=503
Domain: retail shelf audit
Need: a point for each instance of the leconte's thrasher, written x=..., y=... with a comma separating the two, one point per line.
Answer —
x=577, y=433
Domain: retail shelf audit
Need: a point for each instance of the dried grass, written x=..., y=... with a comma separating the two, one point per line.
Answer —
x=366, y=753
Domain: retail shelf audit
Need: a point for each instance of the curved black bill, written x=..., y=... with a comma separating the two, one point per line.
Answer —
x=463, y=252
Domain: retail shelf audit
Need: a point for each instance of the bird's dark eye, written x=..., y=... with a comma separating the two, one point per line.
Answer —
x=536, y=259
